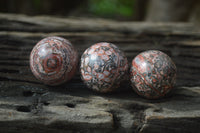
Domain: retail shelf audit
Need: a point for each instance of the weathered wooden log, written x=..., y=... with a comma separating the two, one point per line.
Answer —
x=26, y=105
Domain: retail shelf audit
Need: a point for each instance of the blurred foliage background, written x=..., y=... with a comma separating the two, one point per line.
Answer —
x=128, y=10
x=111, y=8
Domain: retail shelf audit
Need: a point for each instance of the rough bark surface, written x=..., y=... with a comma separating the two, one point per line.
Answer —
x=26, y=105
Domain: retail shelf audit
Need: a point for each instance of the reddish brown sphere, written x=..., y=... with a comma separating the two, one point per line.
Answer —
x=153, y=74
x=53, y=60
x=103, y=67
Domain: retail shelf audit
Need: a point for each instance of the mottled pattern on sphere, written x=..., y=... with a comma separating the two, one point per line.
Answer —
x=103, y=67
x=153, y=74
x=53, y=60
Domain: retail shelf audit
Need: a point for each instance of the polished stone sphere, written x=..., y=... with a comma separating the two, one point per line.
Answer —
x=103, y=67
x=53, y=60
x=153, y=74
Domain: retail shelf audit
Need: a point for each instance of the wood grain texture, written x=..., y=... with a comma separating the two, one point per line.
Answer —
x=27, y=103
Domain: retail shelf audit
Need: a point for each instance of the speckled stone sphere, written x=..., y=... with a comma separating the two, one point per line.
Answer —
x=53, y=60
x=153, y=74
x=103, y=67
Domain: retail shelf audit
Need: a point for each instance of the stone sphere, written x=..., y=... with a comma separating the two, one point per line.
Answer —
x=53, y=60
x=153, y=74
x=103, y=67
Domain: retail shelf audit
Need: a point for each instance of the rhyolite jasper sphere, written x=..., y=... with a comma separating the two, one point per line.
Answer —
x=53, y=60
x=152, y=74
x=103, y=67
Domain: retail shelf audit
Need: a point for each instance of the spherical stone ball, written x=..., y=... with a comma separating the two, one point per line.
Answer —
x=53, y=60
x=153, y=74
x=103, y=67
